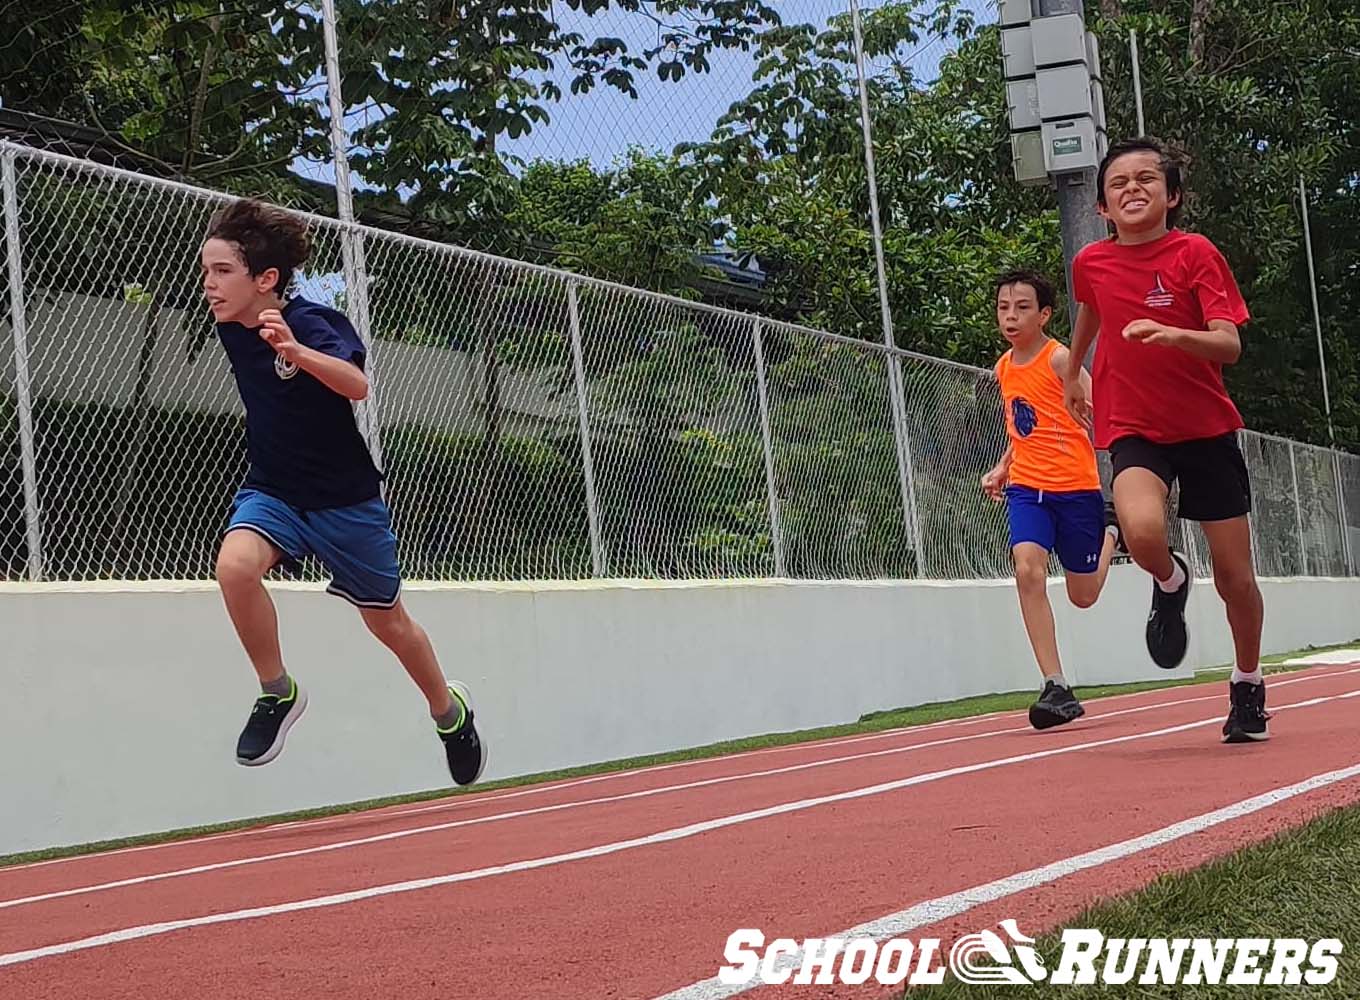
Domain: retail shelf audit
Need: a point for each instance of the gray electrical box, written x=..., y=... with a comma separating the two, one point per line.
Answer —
x=1015, y=12
x=1027, y=157
x=1022, y=104
x=1070, y=146
x=1055, y=101
x=1098, y=105
x=1059, y=40
x=1064, y=92
x=1017, y=52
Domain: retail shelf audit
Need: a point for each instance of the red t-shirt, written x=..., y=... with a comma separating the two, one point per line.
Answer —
x=1155, y=392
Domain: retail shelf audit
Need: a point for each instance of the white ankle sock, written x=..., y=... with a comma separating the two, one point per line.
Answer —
x=1255, y=677
x=1177, y=579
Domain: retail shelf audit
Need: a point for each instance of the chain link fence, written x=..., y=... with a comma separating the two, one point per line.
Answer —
x=533, y=424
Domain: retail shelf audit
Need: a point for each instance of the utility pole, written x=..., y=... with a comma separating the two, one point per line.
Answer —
x=1056, y=102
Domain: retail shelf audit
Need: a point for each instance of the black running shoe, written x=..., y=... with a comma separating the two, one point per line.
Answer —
x=1056, y=705
x=1248, y=716
x=271, y=718
x=463, y=746
x=1167, y=637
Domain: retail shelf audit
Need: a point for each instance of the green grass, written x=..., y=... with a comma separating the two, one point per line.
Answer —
x=1301, y=884
x=898, y=718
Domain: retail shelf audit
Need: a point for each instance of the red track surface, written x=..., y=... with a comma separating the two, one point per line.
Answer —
x=643, y=919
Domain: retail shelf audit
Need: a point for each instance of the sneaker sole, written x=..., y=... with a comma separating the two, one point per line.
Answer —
x=466, y=695
x=1240, y=736
x=1041, y=719
x=276, y=747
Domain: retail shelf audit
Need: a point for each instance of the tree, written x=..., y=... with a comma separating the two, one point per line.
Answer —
x=214, y=93
x=1258, y=95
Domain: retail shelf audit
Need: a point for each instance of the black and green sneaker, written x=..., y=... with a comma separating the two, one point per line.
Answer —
x=463, y=746
x=271, y=718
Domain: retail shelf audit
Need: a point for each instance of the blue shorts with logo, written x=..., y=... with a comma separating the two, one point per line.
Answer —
x=355, y=544
x=1072, y=524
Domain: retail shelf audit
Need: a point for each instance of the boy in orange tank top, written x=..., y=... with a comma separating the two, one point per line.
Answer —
x=1051, y=484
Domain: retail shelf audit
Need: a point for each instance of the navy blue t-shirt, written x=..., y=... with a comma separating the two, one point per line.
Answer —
x=301, y=437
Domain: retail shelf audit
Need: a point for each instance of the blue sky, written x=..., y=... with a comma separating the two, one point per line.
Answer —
x=603, y=124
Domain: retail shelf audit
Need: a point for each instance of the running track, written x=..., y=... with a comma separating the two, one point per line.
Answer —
x=627, y=885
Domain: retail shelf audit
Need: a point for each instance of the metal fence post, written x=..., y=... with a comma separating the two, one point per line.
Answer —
x=897, y=395
x=351, y=239
x=766, y=440
x=22, y=393
x=599, y=562
x=906, y=471
x=1298, y=507
x=1341, y=512
x=1251, y=518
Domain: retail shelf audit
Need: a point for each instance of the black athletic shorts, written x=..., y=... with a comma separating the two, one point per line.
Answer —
x=1212, y=473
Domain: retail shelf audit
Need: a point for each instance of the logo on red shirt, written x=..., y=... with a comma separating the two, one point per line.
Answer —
x=1159, y=297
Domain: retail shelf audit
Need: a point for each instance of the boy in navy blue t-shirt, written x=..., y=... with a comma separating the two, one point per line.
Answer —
x=312, y=488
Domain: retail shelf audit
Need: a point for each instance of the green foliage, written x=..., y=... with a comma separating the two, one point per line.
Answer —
x=1258, y=94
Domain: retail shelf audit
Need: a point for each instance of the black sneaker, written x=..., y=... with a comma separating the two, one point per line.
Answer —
x=1167, y=637
x=1248, y=716
x=1056, y=705
x=271, y=718
x=463, y=746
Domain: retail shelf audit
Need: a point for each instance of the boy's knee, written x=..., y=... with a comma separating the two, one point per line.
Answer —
x=1082, y=598
x=1031, y=574
x=237, y=569
x=392, y=627
x=1236, y=583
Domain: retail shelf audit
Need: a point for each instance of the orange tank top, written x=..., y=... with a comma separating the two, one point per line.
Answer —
x=1052, y=451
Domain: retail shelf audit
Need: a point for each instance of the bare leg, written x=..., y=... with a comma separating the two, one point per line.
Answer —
x=242, y=562
x=1235, y=579
x=1140, y=501
x=1031, y=582
x=403, y=635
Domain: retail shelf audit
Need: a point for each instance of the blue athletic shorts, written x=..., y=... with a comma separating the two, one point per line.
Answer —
x=1073, y=524
x=355, y=544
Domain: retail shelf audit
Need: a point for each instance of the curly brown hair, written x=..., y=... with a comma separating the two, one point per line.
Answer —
x=266, y=236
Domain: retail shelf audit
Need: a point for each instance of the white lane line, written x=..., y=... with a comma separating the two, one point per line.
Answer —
x=932, y=911
x=555, y=807
x=661, y=837
x=464, y=801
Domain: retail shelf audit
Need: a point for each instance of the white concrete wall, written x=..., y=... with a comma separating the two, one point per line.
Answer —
x=122, y=702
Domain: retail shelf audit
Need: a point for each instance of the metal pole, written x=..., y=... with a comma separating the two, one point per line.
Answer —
x=1137, y=80
x=766, y=440
x=1341, y=512
x=23, y=397
x=598, y=560
x=1251, y=518
x=1081, y=223
x=1298, y=508
x=351, y=240
x=1317, y=313
x=897, y=397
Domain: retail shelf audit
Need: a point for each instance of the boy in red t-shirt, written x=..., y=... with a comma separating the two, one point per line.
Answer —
x=1169, y=311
